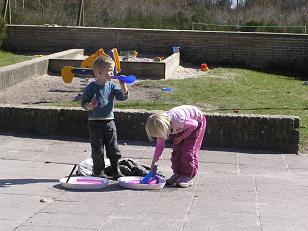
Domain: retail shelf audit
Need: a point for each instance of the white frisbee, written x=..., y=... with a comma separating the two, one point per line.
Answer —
x=133, y=182
x=84, y=182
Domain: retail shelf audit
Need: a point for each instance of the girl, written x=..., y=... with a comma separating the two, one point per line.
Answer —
x=188, y=123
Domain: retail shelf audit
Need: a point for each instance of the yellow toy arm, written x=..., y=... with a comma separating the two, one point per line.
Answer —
x=88, y=62
x=116, y=59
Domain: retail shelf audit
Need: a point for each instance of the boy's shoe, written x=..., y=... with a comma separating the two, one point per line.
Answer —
x=101, y=175
x=115, y=165
x=117, y=175
x=184, y=181
x=173, y=179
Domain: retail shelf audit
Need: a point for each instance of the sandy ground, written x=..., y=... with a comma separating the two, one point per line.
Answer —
x=48, y=89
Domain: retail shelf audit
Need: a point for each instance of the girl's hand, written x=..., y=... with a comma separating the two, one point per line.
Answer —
x=154, y=163
x=152, y=167
x=178, y=139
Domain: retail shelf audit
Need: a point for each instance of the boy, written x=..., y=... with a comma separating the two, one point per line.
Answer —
x=98, y=100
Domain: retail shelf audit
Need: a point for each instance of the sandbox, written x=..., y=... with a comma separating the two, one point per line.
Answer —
x=144, y=66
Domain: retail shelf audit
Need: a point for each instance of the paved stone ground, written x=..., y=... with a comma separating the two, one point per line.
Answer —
x=234, y=190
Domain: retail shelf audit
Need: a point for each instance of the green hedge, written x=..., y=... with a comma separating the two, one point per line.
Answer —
x=2, y=30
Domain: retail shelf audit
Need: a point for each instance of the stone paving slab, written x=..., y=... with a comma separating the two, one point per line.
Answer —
x=234, y=190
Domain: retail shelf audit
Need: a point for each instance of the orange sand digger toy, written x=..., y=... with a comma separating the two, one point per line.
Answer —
x=85, y=69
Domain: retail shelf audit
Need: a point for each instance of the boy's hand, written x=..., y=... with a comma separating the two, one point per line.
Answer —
x=123, y=86
x=92, y=104
x=121, y=82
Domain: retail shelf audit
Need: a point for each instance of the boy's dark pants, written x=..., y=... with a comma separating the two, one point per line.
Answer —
x=103, y=133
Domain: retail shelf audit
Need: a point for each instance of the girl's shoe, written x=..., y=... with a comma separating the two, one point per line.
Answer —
x=173, y=179
x=184, y=181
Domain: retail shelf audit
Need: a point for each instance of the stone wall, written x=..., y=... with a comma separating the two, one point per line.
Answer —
x=280, y=133
x=264, y=51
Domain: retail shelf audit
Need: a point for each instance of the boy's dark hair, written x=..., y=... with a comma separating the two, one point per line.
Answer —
x=102, y=61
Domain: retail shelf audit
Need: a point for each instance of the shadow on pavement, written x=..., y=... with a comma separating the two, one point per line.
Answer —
x=11, y=182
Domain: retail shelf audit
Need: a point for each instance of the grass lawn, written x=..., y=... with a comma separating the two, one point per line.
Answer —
x=7, y=58
x=227, y=90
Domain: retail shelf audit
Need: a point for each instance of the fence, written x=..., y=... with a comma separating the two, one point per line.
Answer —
x=291, y=29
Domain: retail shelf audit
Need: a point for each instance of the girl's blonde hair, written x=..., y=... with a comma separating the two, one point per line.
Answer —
x=158, y=125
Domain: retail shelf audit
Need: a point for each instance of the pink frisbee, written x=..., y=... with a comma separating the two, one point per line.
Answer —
x=133, y=182
x=84, y=182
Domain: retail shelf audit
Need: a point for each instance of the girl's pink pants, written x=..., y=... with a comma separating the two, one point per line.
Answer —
x=185, y=155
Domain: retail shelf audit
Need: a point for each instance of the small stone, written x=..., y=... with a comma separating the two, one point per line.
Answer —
x=125, y=144
x=43, y=200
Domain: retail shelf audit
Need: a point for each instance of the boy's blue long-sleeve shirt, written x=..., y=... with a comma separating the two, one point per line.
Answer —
x=105, y=96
